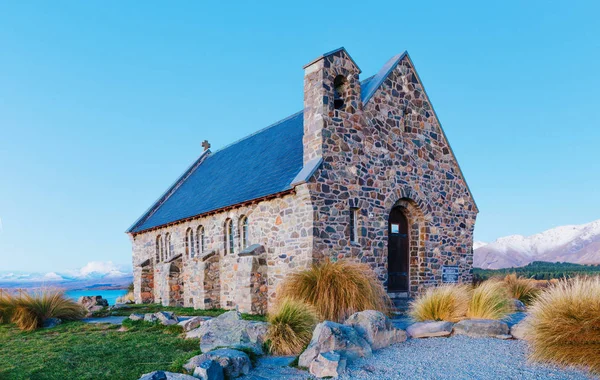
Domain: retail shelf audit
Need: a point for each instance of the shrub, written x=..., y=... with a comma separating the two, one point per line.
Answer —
x=7, y=305
x=291, y=327
x=32, y=309
x=337, y=289
x=489, y=301
x=523, y=289
x=564, y=325
x=443, y=303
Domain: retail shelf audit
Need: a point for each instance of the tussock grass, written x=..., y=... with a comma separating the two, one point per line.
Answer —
x=30, y=310
x=291, y=325
x=489, y=300
x=337, y=289
x=565, y=324
x=443, y=303
x=523, y=289
x=7, y=307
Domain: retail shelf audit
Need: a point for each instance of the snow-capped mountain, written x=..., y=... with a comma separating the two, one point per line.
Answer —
x=95, y=272
x=578, y=244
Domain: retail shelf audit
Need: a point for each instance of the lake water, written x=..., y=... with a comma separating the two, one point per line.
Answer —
x=109, y=295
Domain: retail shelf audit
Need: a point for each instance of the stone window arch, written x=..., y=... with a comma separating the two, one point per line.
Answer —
x=229, y=237
x=200, y=240
x=189, y=243
x=158, y=248
x=340, y=85
x=244, y=229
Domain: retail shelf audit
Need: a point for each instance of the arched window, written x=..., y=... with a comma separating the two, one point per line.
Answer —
x=158, y=250
x=244, y=231
x=200, y=240
x=162, y=249
x=168, y=246
x=189, y=243
x=339, y=91
x=229, y=238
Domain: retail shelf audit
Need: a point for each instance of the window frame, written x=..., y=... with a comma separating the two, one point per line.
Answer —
x=354, y=214
x=244, y=228
x=229, y=237
x=200, y=239
x=189, y=243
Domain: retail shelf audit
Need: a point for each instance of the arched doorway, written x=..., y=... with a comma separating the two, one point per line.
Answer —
x=398, y=251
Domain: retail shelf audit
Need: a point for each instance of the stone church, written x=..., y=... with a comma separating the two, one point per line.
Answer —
x=364, y=172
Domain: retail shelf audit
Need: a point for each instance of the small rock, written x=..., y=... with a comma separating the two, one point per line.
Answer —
x=136, y=317
x=430, y=329
x=520, y=330
x=331, y=336
x=234, y=363
x=504, y=337
x=478, y=328
x=166, y=317
x=518, y=305
x=123, y=329
x=193, y=323
x=163, y=375
x=328, y=364
x=149, y=317
x=209, y=370
x=51, y=322
x=375, y=328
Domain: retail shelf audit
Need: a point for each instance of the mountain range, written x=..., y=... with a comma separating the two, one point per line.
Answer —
x=579, y=244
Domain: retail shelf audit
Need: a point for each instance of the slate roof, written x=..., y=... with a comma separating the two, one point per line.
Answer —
x=265, y=163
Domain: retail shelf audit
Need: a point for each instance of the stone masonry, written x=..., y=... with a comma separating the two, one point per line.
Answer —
x=388, y=152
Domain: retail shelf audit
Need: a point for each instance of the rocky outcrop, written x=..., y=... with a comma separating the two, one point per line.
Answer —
x=193, y=323
x=377, y=329
x=209, y=370
x=149, y=317
x=330, y=336
x=480, y=328
x=328, y=364
x=166, y=318
x=136, y=317
x=230, y=330
x=234, y=363
x=92, y=303
x=520, y=330
x=163, y=375
x=430, y=329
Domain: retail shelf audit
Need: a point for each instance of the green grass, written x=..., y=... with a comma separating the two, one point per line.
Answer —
x=189, y=311
x=77, y=350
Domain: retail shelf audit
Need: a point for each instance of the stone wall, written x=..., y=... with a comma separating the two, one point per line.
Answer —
x=392, y=153
x=282, y=225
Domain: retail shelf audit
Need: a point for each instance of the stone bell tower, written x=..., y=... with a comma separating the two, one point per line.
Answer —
x=331, y=94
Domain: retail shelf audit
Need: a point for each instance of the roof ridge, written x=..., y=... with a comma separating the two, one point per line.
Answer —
x=257, y=132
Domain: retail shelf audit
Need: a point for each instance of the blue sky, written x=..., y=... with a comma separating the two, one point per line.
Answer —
x=103, y=105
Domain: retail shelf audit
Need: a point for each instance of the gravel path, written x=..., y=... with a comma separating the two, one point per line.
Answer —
x=453, y=358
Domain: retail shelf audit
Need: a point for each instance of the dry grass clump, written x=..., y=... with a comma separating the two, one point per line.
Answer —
x=489, y=300
x=523, y=289
x=443, y=303
x=565, y=324
x=7, y=306
x=30, y=310
x=337, y=289
x=291, y=327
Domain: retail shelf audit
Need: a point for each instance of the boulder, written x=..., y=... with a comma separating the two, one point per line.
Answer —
x=518, y=305
x=234, y=363
x=193, y=323
x=478, y=328
x=209, y=370
x=149, y=317
x=51, y=322
x=429, y=329
x=330, y=336
x=520, y=330
x=328, y=364
x=163, y=375
x=92, y=303
x=377, y=329
x=230, y=330
x=166, y=318
x=136, y=317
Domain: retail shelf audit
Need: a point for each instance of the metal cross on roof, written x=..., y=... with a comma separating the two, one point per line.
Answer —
x=205, y=145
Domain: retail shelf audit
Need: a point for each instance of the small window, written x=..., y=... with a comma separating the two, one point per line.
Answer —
x=200, y=240
x=354, y=225
x=168, y=246
x=339, y=91
x=244, y=231
x=395, y=228
x=162, y=249
x=189, y=243
x=229, y=238
x=158, y=248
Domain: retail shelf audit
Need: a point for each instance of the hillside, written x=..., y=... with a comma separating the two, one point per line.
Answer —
x=578, y=244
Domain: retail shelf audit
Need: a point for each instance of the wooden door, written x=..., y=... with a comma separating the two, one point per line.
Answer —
x=398, y=246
